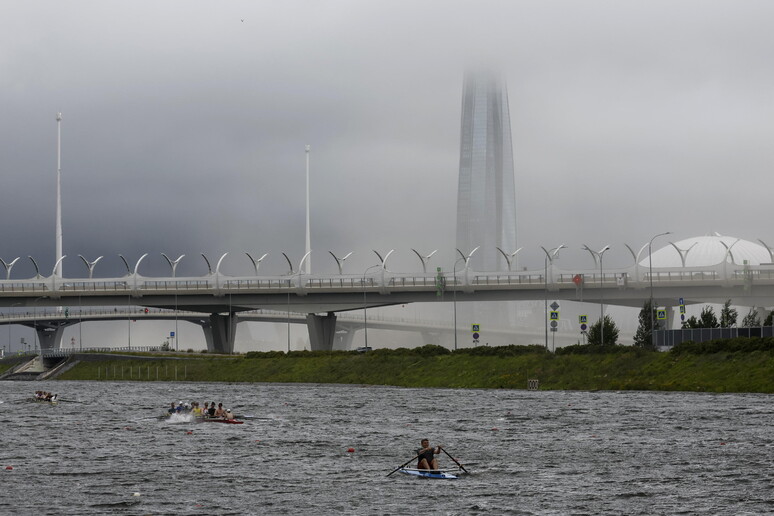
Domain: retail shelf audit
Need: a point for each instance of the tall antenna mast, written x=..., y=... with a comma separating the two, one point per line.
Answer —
x=58, y=271
x=308, y=236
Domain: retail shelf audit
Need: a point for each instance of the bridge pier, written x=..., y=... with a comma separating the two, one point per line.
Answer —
x=345, y=335
x=50, y=337
x=219, y=333
x=322, y=330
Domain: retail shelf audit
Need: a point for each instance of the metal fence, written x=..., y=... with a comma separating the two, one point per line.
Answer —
x=670, y=338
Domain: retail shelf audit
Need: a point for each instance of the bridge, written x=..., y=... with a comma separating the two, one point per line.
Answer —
x=50, y=323
x=217, y=298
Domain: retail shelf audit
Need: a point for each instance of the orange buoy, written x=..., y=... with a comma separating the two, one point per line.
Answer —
x=350, y=450
x=495, y=429
x=8, y=468
x=189, y=432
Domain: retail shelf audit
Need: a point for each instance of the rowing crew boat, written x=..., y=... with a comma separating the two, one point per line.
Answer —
x=215, y=420
x=426, y=473
x=189, y=418
x=41, y=400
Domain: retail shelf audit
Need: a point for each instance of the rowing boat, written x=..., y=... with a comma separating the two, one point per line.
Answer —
x=426, y=473
x=190, y=418
x=41, y=400
x=215, y=420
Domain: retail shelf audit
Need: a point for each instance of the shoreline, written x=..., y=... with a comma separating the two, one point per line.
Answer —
x=751, y=372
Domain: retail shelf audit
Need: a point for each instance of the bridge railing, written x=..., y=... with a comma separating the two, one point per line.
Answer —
x=63, y=352
x=636, y=276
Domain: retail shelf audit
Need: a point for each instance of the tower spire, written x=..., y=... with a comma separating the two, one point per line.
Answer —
x=308, y=266
x=58, y=271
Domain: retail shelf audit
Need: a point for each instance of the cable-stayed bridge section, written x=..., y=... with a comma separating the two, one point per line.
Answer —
x=218, y=297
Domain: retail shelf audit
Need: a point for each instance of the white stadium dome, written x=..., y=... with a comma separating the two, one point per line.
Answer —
x=709, y=250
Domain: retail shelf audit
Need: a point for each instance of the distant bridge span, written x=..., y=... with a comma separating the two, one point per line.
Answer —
x=218, y=297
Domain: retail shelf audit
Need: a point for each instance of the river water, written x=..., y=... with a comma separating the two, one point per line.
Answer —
x=544, y=452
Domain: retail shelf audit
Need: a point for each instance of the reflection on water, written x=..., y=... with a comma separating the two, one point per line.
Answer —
x=549, y=452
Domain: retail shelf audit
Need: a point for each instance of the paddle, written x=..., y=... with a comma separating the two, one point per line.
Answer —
x=455, y=461
x=404, y=464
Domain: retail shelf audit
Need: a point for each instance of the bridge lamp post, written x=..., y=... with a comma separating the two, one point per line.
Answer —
x=599, y=254
x=35, y=321
x=650, y=273
x=454, y=298
x=550, y=255
x=9, y=326
x=365, y=304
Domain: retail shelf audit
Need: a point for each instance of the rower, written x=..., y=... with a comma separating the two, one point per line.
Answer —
x=426, y=455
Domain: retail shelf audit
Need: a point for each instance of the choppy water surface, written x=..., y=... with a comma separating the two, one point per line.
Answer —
x=528, y=452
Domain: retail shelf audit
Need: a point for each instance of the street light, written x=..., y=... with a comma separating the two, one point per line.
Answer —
x=35, y=320
x=599, y=254
x=454, y=292
x=550, y=255
x=9, y=324
x=454, y=298
x=365, y=304
x=650, y=273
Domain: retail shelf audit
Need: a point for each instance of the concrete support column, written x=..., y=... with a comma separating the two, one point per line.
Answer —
x=345, y=335
x=322, y=330
x=50, y=337
x=220, y=333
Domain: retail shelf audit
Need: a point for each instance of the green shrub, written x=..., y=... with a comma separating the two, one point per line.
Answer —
x=593, y=349
x=511, y=350
x=737, y=344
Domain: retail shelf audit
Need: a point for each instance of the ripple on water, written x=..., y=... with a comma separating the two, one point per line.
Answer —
x=552, y=452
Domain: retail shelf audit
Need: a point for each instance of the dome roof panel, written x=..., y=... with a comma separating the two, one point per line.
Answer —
x=709, y=250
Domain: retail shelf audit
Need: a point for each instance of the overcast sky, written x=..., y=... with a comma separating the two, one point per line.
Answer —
x=185, y=124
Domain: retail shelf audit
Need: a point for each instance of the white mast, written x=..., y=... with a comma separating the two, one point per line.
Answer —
x=308, y=266
x=58, y=271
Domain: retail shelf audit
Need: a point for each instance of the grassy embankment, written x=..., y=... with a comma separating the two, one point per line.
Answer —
x=744, y=365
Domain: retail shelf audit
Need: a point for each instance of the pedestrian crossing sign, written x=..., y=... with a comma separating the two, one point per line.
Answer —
x=661, y=314
x=554, y=316
x=475, y=328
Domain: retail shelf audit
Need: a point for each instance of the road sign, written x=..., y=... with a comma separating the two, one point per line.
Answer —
x=171, y=334
x=682, y=301
x=583, y=319
x=682, y=309
x=554, y=306
x=583, y=327
x=661, y=314
x=554, y=324
x=476, y=336
x=554, y=316
x=475, y=327
x=577, y=279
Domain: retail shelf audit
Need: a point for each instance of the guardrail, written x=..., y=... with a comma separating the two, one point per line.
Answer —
x=47, y=353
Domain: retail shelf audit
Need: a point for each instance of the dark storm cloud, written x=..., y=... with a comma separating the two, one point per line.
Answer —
x=184, y=126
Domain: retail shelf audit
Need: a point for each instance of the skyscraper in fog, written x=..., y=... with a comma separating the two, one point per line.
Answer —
x=486, y=197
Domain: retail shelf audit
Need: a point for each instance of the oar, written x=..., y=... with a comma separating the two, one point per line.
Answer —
x=403, y=465
x=455, y=461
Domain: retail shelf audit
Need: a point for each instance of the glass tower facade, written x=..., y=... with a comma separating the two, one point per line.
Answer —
x=486, y=198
